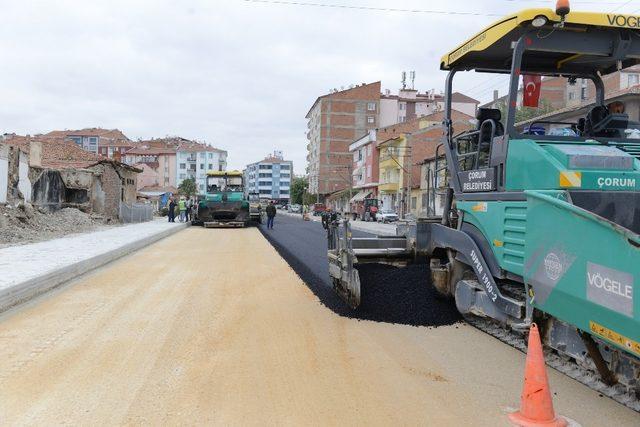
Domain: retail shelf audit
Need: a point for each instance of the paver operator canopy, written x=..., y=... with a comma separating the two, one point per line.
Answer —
x=541, y=42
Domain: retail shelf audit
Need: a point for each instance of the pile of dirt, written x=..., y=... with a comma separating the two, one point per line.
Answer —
x=26, y=224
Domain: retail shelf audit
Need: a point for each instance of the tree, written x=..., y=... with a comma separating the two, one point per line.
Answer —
x=298, y=188
x=188, y=187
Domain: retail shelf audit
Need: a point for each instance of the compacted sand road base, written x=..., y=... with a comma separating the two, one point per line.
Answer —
x=213, y=327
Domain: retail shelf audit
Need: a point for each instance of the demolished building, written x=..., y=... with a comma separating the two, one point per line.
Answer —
x=53, y=173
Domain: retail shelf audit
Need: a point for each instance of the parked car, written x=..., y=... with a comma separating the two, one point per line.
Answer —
x=386, y=216
x=295, y=209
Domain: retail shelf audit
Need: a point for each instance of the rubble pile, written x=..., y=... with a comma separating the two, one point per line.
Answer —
x=25, y=223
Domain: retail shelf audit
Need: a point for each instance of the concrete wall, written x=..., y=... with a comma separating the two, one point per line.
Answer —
x=24, y=184
x=4, y=172
x=48, y=190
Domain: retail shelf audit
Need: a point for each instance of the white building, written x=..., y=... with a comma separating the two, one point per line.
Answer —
x=195, y=159
x=409, y=104
x=271, y=178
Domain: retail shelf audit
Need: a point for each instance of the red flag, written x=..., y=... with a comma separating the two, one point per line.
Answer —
x=531, y=94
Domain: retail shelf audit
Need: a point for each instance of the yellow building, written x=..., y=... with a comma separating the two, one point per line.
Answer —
x=392, y=173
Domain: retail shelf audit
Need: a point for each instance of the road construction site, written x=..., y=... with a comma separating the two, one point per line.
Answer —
x=188, y=331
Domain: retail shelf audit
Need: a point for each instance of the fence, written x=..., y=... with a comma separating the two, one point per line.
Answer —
x=136, y=212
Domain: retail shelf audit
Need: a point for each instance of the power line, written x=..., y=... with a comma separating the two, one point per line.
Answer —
x=369, y=8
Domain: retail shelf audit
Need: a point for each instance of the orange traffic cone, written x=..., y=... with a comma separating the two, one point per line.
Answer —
x=536, y=406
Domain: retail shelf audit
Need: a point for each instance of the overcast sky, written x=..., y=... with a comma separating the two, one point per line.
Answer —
x=239, y=75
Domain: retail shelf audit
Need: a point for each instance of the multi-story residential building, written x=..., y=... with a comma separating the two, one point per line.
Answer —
x=109, y=143
x=195, y=159
x=271, y=178
x=365, y=166
x=157, y=159
x=402, y=148
x=335, y=120
x=409, y=104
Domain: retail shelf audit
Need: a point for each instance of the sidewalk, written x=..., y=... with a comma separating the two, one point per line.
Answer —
x=376, y=228
x=29, y=270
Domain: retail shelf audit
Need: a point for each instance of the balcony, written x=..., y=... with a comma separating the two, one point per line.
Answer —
x=389, y=163
x=389, y=187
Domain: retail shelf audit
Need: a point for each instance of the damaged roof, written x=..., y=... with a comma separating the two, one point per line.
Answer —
x=59, y=153
x=107, y=137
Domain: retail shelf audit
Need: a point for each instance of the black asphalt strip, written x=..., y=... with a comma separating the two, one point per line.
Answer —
x=393, y=295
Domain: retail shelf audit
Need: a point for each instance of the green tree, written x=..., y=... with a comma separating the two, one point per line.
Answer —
x=188, y=187
x=298, y=187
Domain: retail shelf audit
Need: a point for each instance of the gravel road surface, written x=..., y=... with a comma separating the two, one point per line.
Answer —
x=213, y=327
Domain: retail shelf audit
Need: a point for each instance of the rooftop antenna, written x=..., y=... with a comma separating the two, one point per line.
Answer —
x=404, y=80
x=412, y=76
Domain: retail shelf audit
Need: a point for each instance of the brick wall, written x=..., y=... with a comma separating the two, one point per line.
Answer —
x=343, y=119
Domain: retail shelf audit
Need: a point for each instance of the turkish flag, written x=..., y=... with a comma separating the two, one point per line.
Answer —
x=531, y=94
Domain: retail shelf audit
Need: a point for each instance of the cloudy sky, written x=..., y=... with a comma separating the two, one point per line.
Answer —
x=237, y=74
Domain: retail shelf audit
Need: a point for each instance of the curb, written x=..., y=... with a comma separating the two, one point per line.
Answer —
x=27, y=290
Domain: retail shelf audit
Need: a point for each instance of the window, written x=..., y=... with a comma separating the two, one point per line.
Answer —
x=371, y=119
x=414, y=202
x=285, y=167
x=183, y=165
x=371, y=106
x=182, y=176
x=402, y=106
x=633, y=79
x=202, y=155
x=201, y=187
x=583, y=93
x=201, y=166
x=572, y=95
x=401, y=119
x=211, y=155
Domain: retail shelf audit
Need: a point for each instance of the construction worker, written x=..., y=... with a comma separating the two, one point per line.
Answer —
x=271, y=214
x=189, y=205
x=172, y=210
x=182, y=206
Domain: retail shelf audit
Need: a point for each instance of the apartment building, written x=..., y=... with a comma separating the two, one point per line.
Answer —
x=335, y=120
x=109, y=143
x=195, y=159
x=270, y=177
x=409, y=104
x=157, y=159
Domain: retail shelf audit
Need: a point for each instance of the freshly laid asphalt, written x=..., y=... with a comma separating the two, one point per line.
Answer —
x=392, y=295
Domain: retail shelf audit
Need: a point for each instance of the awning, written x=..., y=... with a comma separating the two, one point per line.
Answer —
x=360, y=196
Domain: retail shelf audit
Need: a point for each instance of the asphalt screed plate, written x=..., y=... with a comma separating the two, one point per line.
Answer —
x=392, y=295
